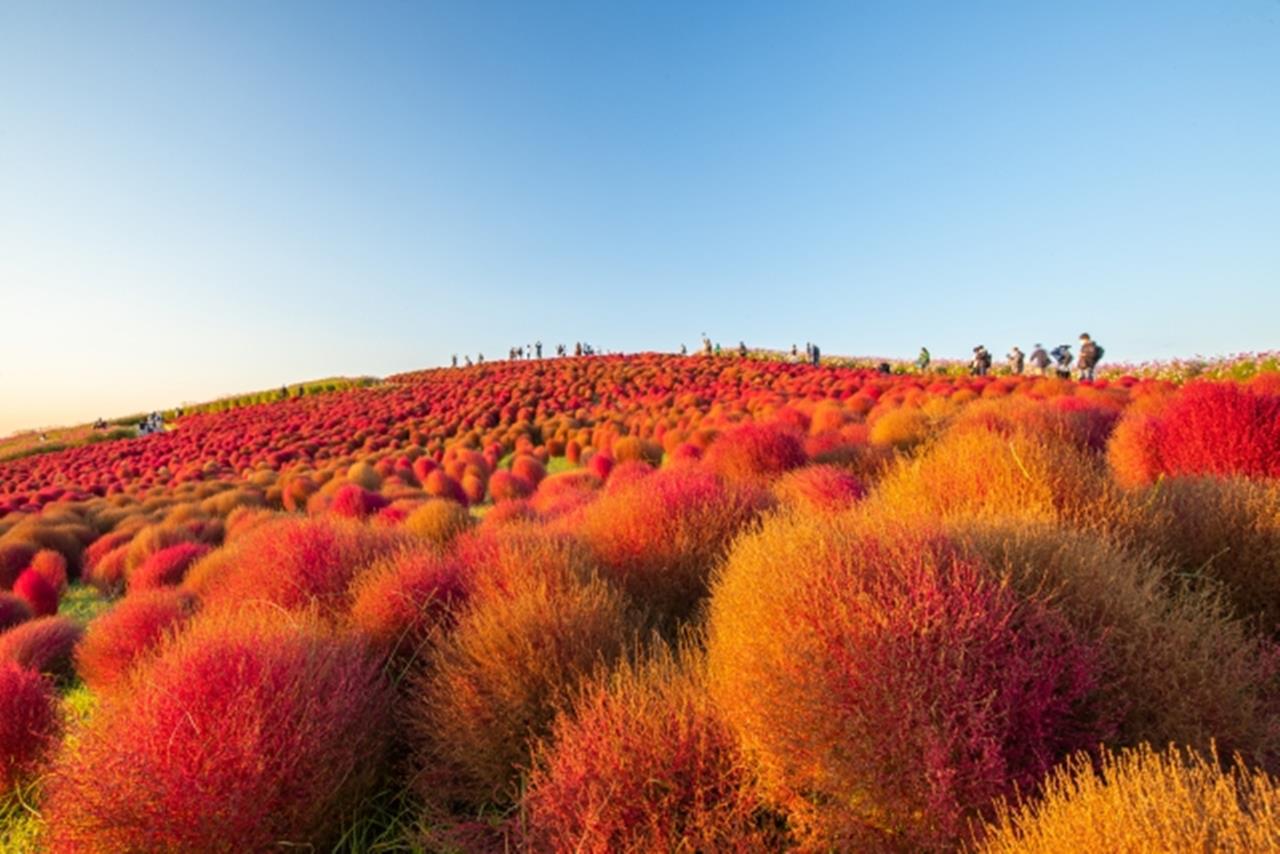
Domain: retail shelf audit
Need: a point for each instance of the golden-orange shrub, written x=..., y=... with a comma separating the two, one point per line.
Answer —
x=1139, y=800
x=494, y=685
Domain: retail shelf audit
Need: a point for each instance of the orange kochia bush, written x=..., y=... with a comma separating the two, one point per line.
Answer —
x=659, y=537
x=821, y=670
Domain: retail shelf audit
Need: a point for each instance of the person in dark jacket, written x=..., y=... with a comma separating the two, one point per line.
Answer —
x=1040, y=360
x=1090, y=356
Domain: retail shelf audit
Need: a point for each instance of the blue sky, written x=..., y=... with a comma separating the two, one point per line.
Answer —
x=198, y=199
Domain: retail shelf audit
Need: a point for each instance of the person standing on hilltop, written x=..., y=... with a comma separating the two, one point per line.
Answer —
x=1090, y=356
x=537, y=346
x=923, y=360
x=1040, y=360
x=815, y=354
x=742, y=349
x=1016, y=359
x=454, y=361
x=1062, y=355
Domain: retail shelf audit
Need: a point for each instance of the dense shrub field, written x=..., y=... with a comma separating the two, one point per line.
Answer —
x=653, y=603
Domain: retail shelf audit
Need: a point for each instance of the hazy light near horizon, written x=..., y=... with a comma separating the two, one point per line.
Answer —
x=196, y=201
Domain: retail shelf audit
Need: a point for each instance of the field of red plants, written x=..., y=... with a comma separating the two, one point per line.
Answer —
x=649, y=604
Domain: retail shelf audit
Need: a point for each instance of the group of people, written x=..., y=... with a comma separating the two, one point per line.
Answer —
x=1041, y=360
x=528, y=351
x=153, y=423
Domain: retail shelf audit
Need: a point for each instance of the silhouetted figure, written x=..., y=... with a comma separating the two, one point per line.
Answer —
x=454, y=361
x=795, y=354
x=538, y=347
x=1016, y=359
x=923, y=360
x=815, y=355
x=684, y=351
x=1090, y=356
x=742, y=349
x=479, y=358
x=1040, y=360
x=884, y=368
x=468, y=361
x=284, y=391
x=577, y=348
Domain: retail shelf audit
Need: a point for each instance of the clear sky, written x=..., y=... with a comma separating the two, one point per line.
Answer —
x=199, y=199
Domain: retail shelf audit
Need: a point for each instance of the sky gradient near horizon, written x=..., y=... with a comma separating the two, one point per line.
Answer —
x=201, y=199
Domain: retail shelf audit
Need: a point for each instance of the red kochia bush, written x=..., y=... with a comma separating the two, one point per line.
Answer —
x=643, y=762
x=45, y=644
x=753, y=450
x=294, y=562
x=819, y=488
x=132, y=629
x=1207, y=428
x=13, y=610
x=887, y=687
x=659, y=537
x=440, y=485
x=528, y=468
x=14, y=558
x=38, y=593
x=251, y=730
x=28, y=722
x=354, y=502
x=166, y=567
x=53, y=567
x=402, y=601
x=505, y=486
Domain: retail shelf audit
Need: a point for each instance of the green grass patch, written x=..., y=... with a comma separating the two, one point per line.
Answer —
x=82, y=603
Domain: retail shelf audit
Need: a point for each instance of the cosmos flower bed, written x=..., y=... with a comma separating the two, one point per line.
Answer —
x=651, y=603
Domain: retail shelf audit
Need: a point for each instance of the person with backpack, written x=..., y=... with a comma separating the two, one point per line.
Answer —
x=1090, y=356
x=981, y=363
x=1062, y=355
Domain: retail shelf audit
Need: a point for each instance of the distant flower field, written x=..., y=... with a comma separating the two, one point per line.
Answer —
x=656, y=603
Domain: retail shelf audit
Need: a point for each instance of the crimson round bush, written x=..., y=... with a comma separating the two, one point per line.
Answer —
x=166, y=567
x=28, y=722
x=293, y=562
x=45, y=645
x=129, y=631
x=37, y=592
x=754, y=450
x=250, y=731
x=1219, y=428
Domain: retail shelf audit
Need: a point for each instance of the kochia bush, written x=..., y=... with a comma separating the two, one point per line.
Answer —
x=1140, y=800
x=45, y=645
x=643, y=762
x=252, y=729
x=821, y=669
x=130, y=631
x=28, y=722
x=495, y=683
x=659, y=537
